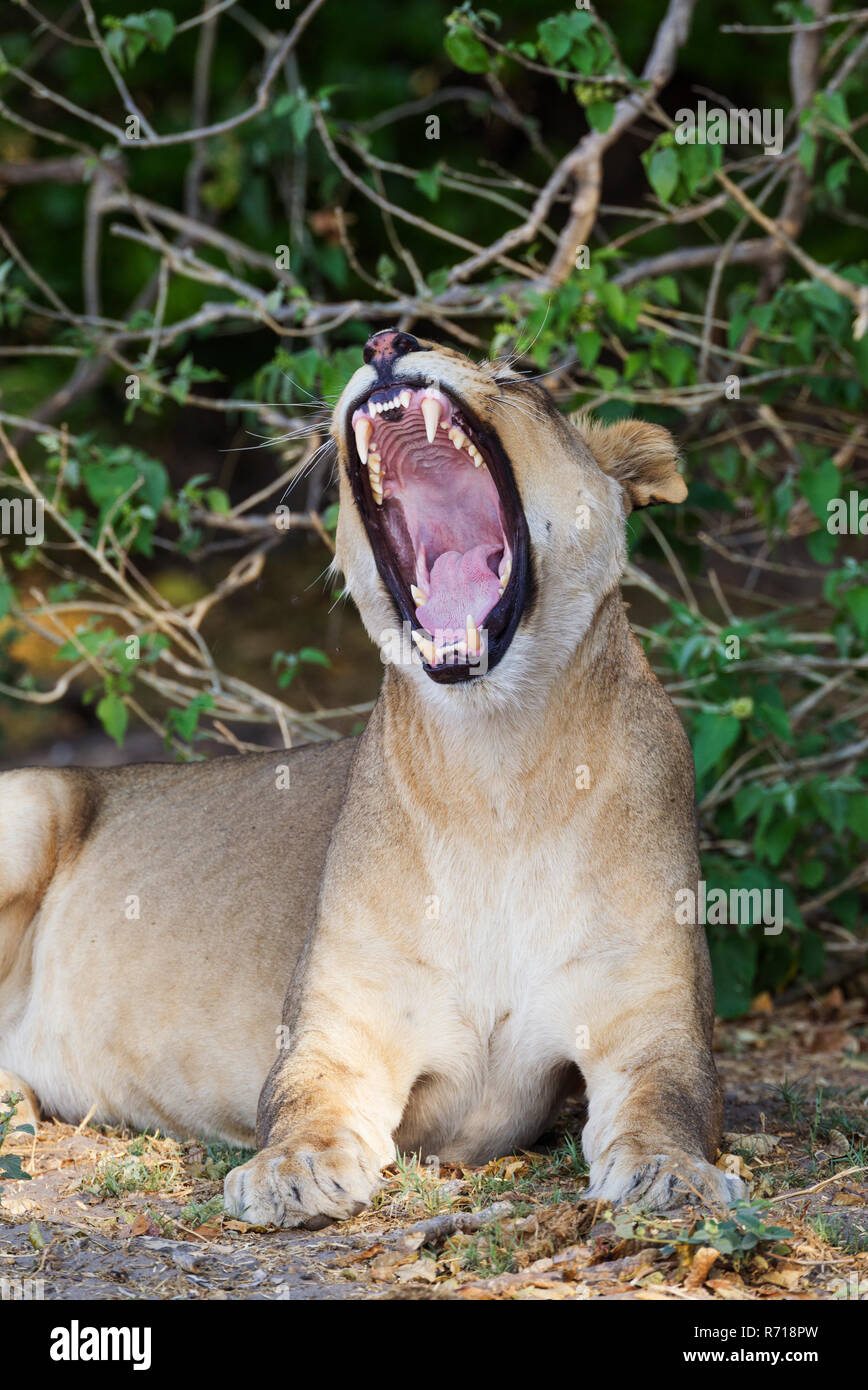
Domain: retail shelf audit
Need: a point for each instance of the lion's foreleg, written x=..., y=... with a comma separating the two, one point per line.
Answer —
x=334, y=1097
x=654, y=1103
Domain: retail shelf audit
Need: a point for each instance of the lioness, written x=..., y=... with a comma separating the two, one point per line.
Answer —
x=473, y=904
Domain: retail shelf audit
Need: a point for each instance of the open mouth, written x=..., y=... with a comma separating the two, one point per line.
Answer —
x=448, y=532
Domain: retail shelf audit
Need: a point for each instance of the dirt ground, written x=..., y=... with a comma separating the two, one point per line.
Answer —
x=112, y=1215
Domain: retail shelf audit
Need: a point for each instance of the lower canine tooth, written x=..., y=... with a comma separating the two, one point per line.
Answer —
x=431, y=412
x=419, y=595
x=426, y=647
x=363, y=430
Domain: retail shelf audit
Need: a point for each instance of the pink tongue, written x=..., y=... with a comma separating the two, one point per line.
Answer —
x=459, y=585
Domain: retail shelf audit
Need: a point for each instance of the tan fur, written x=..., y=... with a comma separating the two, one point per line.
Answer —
x=456, y=916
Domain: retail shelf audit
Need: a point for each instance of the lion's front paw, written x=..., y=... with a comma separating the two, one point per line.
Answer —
x=660, y=1181
x=300, y=1186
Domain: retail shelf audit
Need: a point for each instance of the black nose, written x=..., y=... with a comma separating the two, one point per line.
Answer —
x=384, y=348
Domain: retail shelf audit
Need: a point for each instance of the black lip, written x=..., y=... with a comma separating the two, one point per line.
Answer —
x=502, y=621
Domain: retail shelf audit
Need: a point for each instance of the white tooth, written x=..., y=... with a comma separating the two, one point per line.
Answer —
x=472, y=636
x=504, y=578
x=431, y=412
x=363, y=430
x=448, y=648
x=474, y=454
x=426, y=647
x=419, y=595
x=375, y=463
x=406, y=397
x=458, y=437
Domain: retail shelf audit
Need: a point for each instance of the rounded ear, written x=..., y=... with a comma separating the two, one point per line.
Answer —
x=642, y=458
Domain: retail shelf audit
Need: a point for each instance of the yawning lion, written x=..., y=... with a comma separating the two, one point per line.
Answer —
x=444, y=926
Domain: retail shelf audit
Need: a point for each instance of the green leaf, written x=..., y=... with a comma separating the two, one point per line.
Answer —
x=811, y=873
x=663, y=173
x=466, y=51
x=668, y=289
x=818, y=486
x=807, y=151
x=734, y=963
x=713, y=735
x=301, y=120
x=428, y=182
x=838, y=173
x=776, y=718
x=772, y=842
x=313, y=656
x=555, y=39
x=218, y=501
x=834, y=108
x=114, y=716
x=856, y=601
x=386, y=268
x=588, y=348
x=185, y=722
x=127, y=38
x=857, y=815
x=812, y=954
x=600, y=115
x=11, y=1167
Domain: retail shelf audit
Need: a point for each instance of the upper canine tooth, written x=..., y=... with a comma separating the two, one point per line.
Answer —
x=363, y=430
x=458, y=437
x=431, y=412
